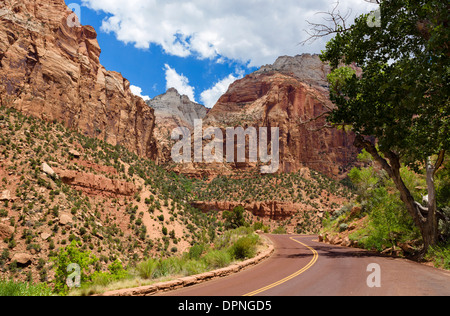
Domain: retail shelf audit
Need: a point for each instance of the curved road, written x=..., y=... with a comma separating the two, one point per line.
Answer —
x=301, y=266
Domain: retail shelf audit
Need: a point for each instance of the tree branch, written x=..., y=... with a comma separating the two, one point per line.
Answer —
x=335, y=23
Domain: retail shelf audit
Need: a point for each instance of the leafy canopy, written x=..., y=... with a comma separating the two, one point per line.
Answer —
x=401, y=97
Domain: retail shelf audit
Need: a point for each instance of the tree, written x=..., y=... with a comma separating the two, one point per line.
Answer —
x=401, y=97
x=236, y=218
x=71, y=254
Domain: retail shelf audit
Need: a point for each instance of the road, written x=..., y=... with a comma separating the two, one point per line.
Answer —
x=301, y=266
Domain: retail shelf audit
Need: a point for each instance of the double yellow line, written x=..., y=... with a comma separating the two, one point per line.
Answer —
x=296, y=274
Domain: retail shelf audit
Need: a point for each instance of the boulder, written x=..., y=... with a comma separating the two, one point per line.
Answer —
x=6, y=231
x=74, y=153
x=22, y=259
x=65, y=219
x=47, y=169
x=5, y=196
x=45, y=236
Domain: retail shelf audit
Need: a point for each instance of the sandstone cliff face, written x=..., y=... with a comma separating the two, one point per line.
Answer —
x=51, y=70
x=289, y=98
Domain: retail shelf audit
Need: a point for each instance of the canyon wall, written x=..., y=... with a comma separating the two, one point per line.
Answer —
x=50, y=69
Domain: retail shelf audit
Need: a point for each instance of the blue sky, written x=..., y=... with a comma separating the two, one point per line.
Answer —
x=201, y=46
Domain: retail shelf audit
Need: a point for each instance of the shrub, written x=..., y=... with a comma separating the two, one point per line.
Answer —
x=196, y=251
x=440, y=256
x=13, y=288
x=193, y=267
x=245, y=247
x=235, y=219
x=217, y=259
x=146, y=269
x=65, y=257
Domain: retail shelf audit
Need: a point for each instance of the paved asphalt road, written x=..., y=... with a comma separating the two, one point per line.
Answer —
x=301, y=266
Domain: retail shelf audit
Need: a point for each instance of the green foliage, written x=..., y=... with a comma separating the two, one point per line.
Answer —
x=235, y=219
x=13, y=288
x=401, y=97
x=390, y=224
x=443, y=186
x=280, y=230
x=234, y=245
x=440, y=256
x=245, y=247
x=196, y=251
x=116, y=272
x=66, y=256
x=146, y=269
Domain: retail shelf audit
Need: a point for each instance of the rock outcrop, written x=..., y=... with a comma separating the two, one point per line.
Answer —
x=273, y=210
x=307, y=68
x=50, y=68
x=173, y=110
x=97, y=185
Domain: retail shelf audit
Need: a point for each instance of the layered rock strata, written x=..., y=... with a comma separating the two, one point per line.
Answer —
x=50, y=69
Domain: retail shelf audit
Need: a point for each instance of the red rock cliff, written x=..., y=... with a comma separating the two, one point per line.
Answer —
x=277, y=98
x=51, y=70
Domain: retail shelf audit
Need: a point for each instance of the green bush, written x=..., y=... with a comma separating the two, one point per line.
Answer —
x=72, y=254
x=196, y=251
x=146, y=269
x=116, y=272
x=217, y=259
x=245, y=247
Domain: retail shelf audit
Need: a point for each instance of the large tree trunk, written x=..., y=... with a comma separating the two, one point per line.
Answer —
x=425, y=218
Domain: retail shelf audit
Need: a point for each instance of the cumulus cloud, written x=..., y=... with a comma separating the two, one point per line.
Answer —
x=255, y=31
x=179, y=82
x=211, y=96
x=138, y=91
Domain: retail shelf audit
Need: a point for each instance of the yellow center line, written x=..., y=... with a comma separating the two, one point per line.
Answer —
x=296, y=274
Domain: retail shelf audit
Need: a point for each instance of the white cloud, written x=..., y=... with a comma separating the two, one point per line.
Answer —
x=211, y=96
x=138, y=91
x=179, y=82
x=258, y=31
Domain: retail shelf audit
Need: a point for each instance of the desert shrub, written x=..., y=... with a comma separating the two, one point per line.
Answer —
x=116, y=272
x=168, y=267
x=245, y=247
x=146, y=269
x=193, y=267
x=217, y=259
x=280, y=230
x=343, y=227
x=196, y=251
x=235, y=219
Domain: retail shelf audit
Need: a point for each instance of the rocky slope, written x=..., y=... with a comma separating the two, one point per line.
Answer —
x=50, y=68
x=58, y=186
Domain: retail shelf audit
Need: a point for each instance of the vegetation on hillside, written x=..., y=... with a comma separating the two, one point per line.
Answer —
x=111, y=234
x=378, y=220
